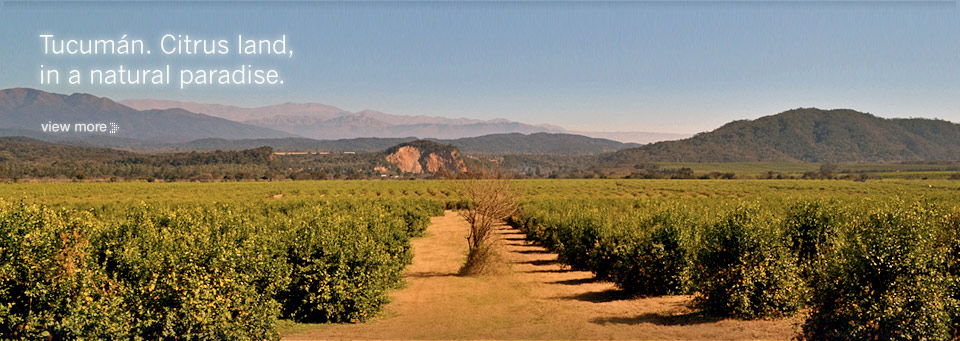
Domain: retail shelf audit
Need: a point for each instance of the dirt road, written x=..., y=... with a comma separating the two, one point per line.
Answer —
x=536, y=298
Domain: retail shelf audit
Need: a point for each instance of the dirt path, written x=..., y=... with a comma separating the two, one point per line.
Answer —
x=536, y=299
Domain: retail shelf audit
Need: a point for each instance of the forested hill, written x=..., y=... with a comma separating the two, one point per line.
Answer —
x=807, y=134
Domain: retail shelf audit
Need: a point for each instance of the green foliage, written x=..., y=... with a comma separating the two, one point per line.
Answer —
x=655, y=260
x=866, y=262
x=647, y=236
x=806, y=134
x=813, y=231
x=744, y=270
x=340, y=272
x=888, y=282
x=645, y=254
x=194, y=273
x=576, y=239
x=50, y=285
x=950, y=242
x=200, y=271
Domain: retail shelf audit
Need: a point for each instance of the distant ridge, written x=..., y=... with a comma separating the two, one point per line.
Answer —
x=499, y=144
x=325, y=122
x=807, y=134
x=320, y=121
x=537, y=144
x=494, y=144
x=27, y=109
x=638, y=137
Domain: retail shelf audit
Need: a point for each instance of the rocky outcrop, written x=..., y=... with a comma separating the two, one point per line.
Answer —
x=407, y=158
x=424, y=156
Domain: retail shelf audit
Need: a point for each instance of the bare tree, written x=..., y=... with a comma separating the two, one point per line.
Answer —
x=491, y=200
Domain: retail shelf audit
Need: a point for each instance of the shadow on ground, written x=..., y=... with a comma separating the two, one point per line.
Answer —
x=431, y=274
x=539, y=262
x=533, y=252
x=551, y=271
x=661, y=319
x=577, y=281
x=609, y=295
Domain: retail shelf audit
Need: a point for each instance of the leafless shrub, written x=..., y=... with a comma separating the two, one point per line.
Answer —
x=492, y=199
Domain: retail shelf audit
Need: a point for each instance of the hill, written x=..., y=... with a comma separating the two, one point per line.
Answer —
x=808, y=135
x=29, y=109
x=423, y=156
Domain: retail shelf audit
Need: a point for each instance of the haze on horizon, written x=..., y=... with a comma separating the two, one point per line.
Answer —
x=611, y=66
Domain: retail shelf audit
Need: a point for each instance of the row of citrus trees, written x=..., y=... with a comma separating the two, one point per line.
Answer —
x=210, y=271
x=854, y=270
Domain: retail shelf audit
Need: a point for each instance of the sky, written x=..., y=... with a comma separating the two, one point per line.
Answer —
x=657, y=66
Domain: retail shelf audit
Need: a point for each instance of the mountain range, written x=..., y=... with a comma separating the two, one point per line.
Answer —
x=498, y=144
x=808, y=135
x=320, y=121
x=153, y=125
x=29, y=109
x=798, y=135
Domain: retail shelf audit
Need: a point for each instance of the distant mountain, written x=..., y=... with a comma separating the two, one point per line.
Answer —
x=495, y=144
x=537, y=143
x=340, y=127
x=326, y=122
x=367, y=124
x=29, y=109
x=807, y=134
x=498, y=144
x=632, y=136
x=297, y=144
x=239, y=114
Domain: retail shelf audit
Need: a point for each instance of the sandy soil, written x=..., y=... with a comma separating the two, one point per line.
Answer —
x=535, y=298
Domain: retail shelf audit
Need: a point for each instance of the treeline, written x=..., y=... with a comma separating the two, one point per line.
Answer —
x=220, y=271
x=23, y=158
x=858, y=271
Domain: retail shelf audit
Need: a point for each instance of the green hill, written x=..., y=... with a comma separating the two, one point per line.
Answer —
x=807, y=135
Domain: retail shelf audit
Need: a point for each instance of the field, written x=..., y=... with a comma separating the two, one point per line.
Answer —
x=91, y=194
x=265, y=259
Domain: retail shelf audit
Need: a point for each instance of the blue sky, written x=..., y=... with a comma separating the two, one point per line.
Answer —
x=608, y=66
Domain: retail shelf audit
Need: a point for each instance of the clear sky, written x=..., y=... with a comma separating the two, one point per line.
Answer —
x=608, y=66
